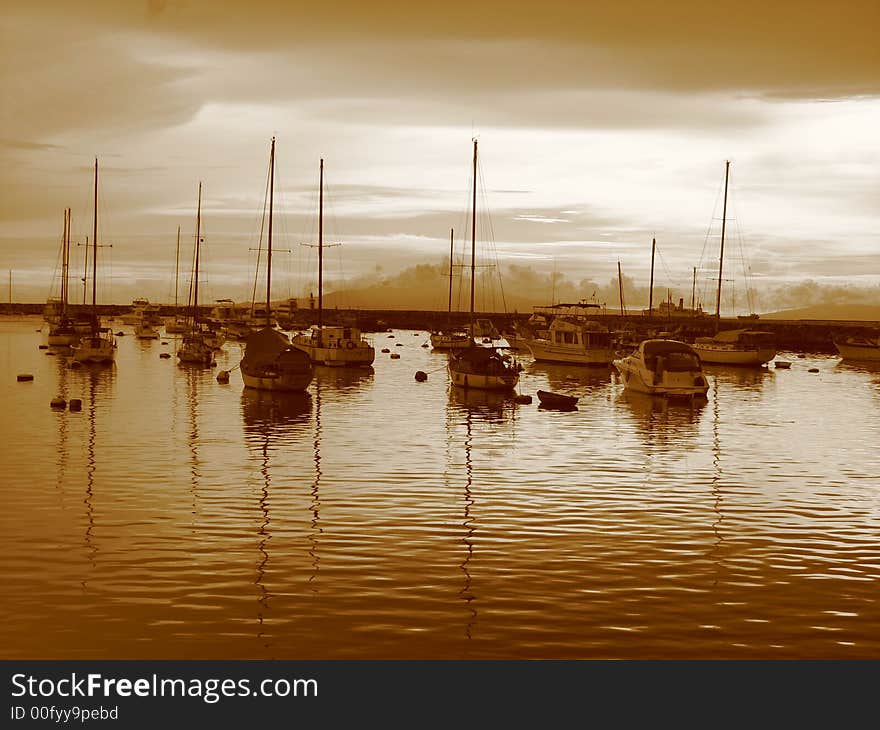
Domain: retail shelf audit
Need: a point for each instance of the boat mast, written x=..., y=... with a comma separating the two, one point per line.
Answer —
x=65, y=252
x=176, y=270
x=196, y=277
x=473, y=236
x=651, y=285
x=449, y=307
x=269, y=255
x=721, y=257
x=95, y=253
x=620, y=288
x=694, y=292
x=321, y=247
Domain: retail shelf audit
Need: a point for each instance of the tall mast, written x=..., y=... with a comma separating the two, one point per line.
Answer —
x=176, y=269
x=269, y=255
x=721, y=257
x=85, y=278
x=198, y=241
x=449, y=309
x=620, y=287
x=65, y=252
x=321, y=247
x=473, y=236
x=694, y=292
x=95, y=247
x=651, y=286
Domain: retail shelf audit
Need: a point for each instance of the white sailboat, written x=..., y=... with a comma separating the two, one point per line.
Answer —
x=270, y=362
x=63, y=332
x=194, y=350
x=449, y=338
x=99, y=346
x=737, y=347
x=483, y=368
x=336, y=346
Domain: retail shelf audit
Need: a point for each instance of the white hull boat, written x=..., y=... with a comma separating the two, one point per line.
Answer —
x=663, y=367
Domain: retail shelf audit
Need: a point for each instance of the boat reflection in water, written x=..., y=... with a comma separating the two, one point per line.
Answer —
x=486, y=404
x=661, y=421
x=565, y=378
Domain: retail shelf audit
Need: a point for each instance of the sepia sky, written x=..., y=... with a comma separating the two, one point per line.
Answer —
x=600, y=125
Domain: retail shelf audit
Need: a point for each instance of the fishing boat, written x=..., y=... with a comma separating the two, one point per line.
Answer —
x=334, y=346
x=573, y=341
x=735, y=347
x=194, y=350
x=99, y=345
x=474, y=366
x=663, y=367
x=558, y=401
x=176, y=324
x=63, y=332
x=270, y=362
x=449, y=338
x=859, y=348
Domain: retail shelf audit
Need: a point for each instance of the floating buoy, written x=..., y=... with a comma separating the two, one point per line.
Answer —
x=425, y=344
x=120, y=334
x=164, y=355
x=399, y=344
x=58, y=402
x=164, y=343
x=385, y=349
x=415, y=334
x=390, y=337
x=75, y=404
x=395, y=356
x=44, y=347
x=24, y=377
x=526, y=399
x=801, y=356
x=421, y=376
x=782, y=364
x=223, y=376
x=813, y=370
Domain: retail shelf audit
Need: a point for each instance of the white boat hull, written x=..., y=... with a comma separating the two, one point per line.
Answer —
x=864, y=352
x=546, y=351
x=477, y=381
x=97, y=351
x=672, y=384
x=281, y=383
x=721, y=355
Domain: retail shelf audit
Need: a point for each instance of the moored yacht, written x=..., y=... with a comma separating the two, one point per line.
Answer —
x=859, y=348
x=663, y=367
x=737, y=347
x=576, y=342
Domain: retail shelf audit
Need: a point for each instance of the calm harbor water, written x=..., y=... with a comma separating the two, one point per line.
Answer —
x=378, y=517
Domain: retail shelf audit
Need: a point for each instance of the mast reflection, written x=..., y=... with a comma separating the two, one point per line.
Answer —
x=469, y=525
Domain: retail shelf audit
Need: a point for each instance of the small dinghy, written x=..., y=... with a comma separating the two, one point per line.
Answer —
x=557, y=400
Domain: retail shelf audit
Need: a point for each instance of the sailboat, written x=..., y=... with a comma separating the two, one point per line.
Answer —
x=177, y=324
x=99, y=345
x=270, y=362
x=332, y=345
x=450, y=339
x=859, y=348
x=475, y=366
x=63, y=331
x=194, y=349
x=733, y=347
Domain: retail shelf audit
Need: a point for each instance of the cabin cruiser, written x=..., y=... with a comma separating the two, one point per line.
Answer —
x=576, y=342
x=737, y=347
x=335, y=346
x=663, y=367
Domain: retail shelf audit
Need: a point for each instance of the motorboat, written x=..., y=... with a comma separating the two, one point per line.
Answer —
x=663, y=367
x=572, y=341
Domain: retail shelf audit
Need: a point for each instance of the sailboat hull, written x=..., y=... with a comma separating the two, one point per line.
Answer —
x=96, y=350
x=721, y=355
x=483, y=382
x=281, y=383
x=864, y=352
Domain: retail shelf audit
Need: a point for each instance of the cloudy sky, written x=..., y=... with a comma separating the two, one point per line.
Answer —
x=600, y=126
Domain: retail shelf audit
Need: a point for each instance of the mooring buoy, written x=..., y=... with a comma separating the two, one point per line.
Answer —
x=44, y=347
x=58, y=402
x=164, y=355
x=223, y=376
x=385, y=350
x=75, y=404
x=421, y=376
x=395, y=356
x=24, y=377
x=813, y=370
x=526, y=399
x=425, y=344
